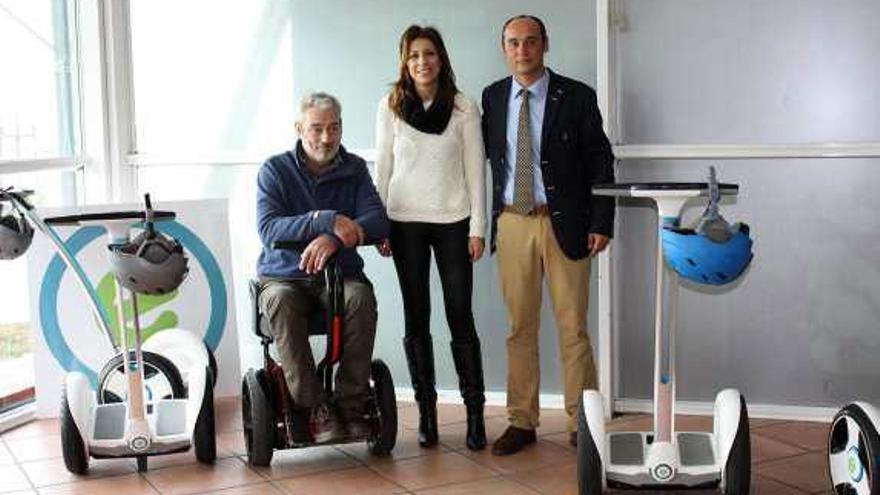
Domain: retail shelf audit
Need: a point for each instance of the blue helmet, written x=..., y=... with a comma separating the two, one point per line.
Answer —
x=695, y=256
x=715, y=252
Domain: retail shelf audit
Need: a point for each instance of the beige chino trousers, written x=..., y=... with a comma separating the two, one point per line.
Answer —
x=527, y=252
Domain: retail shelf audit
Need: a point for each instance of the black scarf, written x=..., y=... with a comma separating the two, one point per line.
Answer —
x=431, y=121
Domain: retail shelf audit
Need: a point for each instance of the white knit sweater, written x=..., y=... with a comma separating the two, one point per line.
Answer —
x=433, y=178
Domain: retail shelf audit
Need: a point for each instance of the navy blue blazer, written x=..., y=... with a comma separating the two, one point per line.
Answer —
x=575, y=154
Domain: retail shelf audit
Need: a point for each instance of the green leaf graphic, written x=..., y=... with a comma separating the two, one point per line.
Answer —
x=146, y=303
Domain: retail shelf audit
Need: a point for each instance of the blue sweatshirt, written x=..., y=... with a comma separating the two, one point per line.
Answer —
x=293, y=205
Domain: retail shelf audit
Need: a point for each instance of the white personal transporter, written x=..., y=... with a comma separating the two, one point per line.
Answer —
x=854, y=450
x=665, y=458
x=128, y=415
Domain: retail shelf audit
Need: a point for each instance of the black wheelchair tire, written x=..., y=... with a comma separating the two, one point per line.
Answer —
x=257, y=419
x=382, y=439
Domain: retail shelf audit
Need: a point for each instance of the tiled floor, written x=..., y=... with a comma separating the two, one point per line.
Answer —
x=787, y=459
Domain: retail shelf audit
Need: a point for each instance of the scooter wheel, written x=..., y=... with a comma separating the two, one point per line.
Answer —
x=257, y=419
x=853, y=450
x=72, y=445
x=738, y=470
x=384, y=432
x=212, y=363
x=589, y=462
x=203, y=434
x=162, y=379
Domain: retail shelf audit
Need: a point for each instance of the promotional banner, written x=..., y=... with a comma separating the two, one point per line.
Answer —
x=68, y=335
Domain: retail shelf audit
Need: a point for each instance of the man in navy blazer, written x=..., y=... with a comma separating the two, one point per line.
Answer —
x=545, y=143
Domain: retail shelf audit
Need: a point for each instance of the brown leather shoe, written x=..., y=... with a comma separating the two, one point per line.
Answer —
x=513, y=440
x=573, y=438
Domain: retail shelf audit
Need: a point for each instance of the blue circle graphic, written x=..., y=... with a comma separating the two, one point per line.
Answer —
x=51, y=284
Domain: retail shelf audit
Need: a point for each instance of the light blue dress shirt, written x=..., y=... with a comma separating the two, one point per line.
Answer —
x=537, y=100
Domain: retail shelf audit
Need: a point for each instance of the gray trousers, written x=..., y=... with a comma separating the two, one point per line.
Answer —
x=288, y=305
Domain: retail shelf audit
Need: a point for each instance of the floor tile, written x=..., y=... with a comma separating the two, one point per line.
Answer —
x=453, y=436
x=434, y=470
x=5, y=455
x=193, y=478
x=446, y=414
x=12, y=479
x=807, y=472
x=809, y=436
x=231, y=442
x=767, y=486
x=165, y=461
x=406, y=447
x=767, y=449
x=542, y=453
x=561, y=440
x=693, y=423
x=298, y=462
x=131, y=484
x=37, y=428
x=53, y=471
x=762, y=422
x=227, y=414
x=787, y=459
x=551, y=480
x=490, y=486
x=35, y=448
x=265, y=488
x=358, y=480
x=630, y=422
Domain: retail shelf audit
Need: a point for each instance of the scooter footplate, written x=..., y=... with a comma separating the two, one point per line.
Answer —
x=170, y=417
x=627, y=449
x=695, y=449
x=110, y=421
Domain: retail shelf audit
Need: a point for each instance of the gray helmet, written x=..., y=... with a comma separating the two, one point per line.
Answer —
x=16, y=235
x=149, y=264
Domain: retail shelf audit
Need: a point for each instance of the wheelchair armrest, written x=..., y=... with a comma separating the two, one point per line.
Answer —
x=256, y=315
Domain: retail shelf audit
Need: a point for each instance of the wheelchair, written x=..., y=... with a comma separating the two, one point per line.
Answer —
x=265, y=399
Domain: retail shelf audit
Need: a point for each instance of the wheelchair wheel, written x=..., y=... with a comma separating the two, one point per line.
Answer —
x=257, y=418
x=72, y=445
x=384, y=432
x=854, y=452
x=203, y=434
x=162, y=380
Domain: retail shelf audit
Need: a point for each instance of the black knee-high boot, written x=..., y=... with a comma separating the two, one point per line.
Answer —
x=469, y=365
x=420, y=360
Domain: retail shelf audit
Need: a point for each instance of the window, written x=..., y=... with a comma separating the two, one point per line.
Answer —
x=39, y=140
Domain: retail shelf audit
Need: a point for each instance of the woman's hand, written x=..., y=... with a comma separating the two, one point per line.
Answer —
x=475, y=247
x=384, y=248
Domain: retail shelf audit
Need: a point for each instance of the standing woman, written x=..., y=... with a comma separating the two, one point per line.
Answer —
x=430, y=175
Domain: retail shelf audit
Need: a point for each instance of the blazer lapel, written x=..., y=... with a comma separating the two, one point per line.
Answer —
x=500, y=100
x=555, y=95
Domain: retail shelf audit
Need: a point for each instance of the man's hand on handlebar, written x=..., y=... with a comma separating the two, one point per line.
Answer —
x=314, y=257
x=348, y=231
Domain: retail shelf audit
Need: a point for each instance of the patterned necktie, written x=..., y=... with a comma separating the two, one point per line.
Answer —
x=523, y=189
